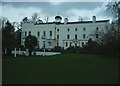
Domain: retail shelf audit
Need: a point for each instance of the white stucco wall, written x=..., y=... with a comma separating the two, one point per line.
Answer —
x=63, y=32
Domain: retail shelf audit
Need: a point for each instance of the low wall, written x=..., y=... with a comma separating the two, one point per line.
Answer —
x=37, y=53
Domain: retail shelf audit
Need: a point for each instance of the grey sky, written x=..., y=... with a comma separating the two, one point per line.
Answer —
x=16, y=11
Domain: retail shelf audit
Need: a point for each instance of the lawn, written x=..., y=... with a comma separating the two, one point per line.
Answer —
x=60, y=69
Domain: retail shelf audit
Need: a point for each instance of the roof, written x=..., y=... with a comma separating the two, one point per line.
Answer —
x=79, y=22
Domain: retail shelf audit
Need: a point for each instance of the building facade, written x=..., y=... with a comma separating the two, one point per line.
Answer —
x=63, y=34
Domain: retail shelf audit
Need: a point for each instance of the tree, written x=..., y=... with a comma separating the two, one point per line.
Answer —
x=35, y=16
x=3, y=21
x=25, y=19
x=30, y=43
x=109, y=42
x=8, y=38
x=114, y=32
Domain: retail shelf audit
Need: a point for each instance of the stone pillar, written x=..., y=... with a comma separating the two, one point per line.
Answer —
x=44, y=53
x=15, y=53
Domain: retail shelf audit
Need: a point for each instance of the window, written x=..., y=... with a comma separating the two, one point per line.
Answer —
x=57, y=30
x=44, y=33
x=38, y=33
x=66, y=44
x=57, y=36
x=75, y=29
x=82, y=43
x=29, y=32
x=75, y=44
x=50, y=33
x=96, y=28
x=84, y=36
x=57, y=44
x=96, y=35
x=43, y=44
x=68, y=36
x=70, y=44
x=68, y=29
x=75, y=36
x=49, y=43
x=84, y=29
x=25, y=33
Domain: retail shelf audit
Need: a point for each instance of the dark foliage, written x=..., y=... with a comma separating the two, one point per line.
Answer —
x=8, y=38
x=30, y=43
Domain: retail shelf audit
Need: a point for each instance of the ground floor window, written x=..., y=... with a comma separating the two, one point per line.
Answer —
x=70, y=44
x=66, y=44
x=82, y=43
x=75, y=44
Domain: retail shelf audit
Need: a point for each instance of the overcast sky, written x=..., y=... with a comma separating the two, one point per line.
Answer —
x=16, y=11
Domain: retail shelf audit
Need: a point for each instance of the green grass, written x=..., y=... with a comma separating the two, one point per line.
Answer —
x=60, y=69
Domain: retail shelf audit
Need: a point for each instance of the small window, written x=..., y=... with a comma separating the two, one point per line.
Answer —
x=66, y=44
x=38, y=33
x=96, y=35
x=50, y=33
x=75, y=29
x=57, y=30
x=68, y=29
x=68, y=36
x=84, y=29
x=29, y=32
x=57, y=36
x=75, y=36
x=25, y=33
x=96, y=28
x=84, y=36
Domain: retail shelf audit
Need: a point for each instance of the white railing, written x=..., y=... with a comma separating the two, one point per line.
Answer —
x=37, y=53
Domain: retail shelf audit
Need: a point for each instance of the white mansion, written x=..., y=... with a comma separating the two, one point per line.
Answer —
x=64, y=34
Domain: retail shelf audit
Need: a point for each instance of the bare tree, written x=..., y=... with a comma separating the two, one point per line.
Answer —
x=3, y=21
x=35, y=17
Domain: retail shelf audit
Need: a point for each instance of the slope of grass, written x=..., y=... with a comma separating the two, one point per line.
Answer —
x=60, y=69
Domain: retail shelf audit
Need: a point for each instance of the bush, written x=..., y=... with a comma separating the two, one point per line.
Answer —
x=57, y=49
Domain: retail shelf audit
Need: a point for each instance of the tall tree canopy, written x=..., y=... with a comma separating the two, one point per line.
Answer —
x=8, y=39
